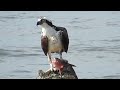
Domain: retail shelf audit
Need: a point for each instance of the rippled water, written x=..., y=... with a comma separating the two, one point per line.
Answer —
x=94, y=43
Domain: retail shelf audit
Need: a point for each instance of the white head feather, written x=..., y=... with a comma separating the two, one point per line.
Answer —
x=44, y=18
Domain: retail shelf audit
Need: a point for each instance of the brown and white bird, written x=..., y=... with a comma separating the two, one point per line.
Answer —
x=53, y=39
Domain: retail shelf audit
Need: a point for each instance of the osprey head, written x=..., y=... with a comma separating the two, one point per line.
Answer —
x=43, y=20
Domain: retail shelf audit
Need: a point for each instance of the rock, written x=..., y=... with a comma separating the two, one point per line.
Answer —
x=67, y=71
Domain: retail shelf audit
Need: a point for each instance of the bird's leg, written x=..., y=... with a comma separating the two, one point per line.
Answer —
x=50, y=61
x=60, y=56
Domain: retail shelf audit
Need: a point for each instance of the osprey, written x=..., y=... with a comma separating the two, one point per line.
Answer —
x=53, y=39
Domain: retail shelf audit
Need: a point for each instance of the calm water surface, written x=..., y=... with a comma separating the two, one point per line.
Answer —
x=94, y=43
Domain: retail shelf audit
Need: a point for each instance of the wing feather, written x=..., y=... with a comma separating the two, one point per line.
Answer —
x=64, y=37
x=44, y=44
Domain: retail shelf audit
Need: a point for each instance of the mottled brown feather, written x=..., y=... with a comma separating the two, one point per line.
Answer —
x=44, y=44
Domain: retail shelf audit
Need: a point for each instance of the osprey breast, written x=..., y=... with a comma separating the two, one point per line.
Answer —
x=55, y=44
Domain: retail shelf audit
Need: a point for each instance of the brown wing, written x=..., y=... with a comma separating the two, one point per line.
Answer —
x=44, y=44
x=64, y=37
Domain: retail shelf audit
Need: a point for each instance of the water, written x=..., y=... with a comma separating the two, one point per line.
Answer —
x=94, y=43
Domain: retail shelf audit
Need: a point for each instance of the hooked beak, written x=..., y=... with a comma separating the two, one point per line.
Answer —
x=38, y=23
